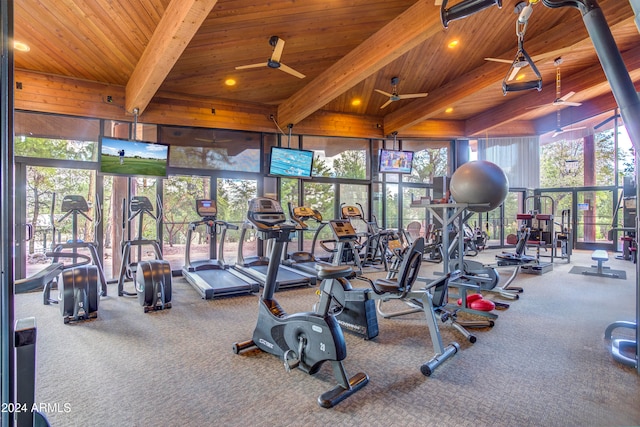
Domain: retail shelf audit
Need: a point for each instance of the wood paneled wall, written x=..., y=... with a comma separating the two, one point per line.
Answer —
x=59, y=95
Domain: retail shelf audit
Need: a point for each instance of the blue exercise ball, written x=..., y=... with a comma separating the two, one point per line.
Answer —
x=479, y=182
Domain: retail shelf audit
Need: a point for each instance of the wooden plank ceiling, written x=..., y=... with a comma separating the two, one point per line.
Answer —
x=344, y=48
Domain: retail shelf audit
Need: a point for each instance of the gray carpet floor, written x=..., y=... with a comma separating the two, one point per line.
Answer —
x=544, y=363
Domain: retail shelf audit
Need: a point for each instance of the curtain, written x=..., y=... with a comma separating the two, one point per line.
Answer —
x=518, y=157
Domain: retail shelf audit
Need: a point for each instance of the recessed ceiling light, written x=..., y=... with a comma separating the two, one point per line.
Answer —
x=453, y=43
x=230, y=82
x=356, y=102
x=22, y=47
x=449, y=110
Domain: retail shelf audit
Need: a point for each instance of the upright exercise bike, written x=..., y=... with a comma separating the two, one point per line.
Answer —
x=303, y=340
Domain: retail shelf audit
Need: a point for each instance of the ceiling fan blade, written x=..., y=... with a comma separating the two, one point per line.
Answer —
x=243, y=67
x=291, y=71
x=385, y=104
x=561, y=103
x=552, y=54
x=567, y=96
x=567, y=129
x=277, y=50
x=504, y=61
x=514, y=73
x=383, y=92
x=438, y=2
x=412, y=95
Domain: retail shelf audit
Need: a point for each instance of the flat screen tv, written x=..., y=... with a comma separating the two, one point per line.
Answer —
x=133, y=158
x=291, y=163
x=395, y=161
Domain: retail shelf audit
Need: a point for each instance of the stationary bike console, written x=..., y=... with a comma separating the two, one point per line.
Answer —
x=206, y=208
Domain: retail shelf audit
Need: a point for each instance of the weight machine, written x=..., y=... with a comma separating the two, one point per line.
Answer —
x=537, y=223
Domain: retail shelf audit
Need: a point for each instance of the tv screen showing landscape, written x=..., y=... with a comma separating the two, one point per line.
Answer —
x=290, y=163
x=395, y=161
x=134, y=158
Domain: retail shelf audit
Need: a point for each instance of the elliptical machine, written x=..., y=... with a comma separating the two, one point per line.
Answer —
x=152, y=277
x=304, y=340
x=78, y=294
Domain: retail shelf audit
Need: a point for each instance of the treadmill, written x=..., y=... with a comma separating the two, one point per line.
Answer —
x=212, y=277
x=302, y=260
x=256, y=266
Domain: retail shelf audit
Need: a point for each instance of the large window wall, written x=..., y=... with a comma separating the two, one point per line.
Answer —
x=60, y=155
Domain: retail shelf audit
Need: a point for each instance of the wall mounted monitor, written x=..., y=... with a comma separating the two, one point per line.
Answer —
x=290, y=163
x=395, y=161
x=133, y=158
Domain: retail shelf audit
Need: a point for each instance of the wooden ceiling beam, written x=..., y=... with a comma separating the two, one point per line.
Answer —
x=176, y=28
x=487, y=75
x=409, y=29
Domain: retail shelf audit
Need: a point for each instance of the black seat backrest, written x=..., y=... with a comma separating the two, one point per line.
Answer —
x=522, y=243
x=408, y=272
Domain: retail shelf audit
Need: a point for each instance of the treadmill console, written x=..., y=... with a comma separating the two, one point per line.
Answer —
x=343, y=230
x=206, y=208
x=265, y=213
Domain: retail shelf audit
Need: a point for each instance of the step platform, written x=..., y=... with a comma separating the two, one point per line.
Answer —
x=539, y=269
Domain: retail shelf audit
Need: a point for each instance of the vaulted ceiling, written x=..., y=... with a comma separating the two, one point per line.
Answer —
x=346, y=49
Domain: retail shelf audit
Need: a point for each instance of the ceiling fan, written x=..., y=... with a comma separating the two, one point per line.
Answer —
x=395, y=96
x=562, y=100
x=274, y=61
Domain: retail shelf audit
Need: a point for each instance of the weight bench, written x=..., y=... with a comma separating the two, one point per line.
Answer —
x=601, y=256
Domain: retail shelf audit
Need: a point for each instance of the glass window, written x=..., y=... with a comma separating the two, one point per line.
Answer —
x=289, y=192
x=605, y=156
x=56, y=137
x=232, y=198
x=431, y=158
x=565, y=163
x=179, y=209
x=562, y=164
x=391, y=203
x=46, y=186
x=412, y=214
x=626, y=155
x=378, y=200
x=321, y=197
x=339, y=157
x=212, y=149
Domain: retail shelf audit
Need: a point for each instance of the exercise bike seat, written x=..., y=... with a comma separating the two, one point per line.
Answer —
x=402, y=284
x=387, y=286
x=328, y=271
